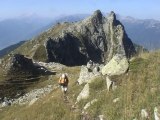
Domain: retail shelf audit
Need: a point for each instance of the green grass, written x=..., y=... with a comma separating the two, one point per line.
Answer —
x=28, y=48
x=139, y=89
x=40, y=54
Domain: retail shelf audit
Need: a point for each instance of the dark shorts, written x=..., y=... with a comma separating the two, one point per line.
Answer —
x=64, y=85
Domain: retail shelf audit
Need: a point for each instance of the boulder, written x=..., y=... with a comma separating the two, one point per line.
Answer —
x=110, y=84
x=116, y=100
x=157, y=113
x=89, y=104
x=144, y=114
x=101, y=117
x=86, y=76
x=84, y=93
x=116, y=66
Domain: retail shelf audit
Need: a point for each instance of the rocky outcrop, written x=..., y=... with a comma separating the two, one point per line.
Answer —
x=116, y=66
x=19, y=65
x=84, y=93
x=95, y=38
x=87, y=75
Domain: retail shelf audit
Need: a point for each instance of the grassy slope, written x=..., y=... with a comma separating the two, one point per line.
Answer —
x=30, y=47
x=10, y=48
x=137, y=90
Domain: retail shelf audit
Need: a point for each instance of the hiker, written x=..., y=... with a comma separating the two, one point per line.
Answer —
x=63, y=82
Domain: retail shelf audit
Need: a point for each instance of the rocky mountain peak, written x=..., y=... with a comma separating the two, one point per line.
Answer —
x=98, y=14
x=97, y=17
x=95, y=38
x=112, y=16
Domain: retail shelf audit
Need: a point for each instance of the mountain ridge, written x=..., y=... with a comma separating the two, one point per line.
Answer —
x=143, y=26
x=94, y=32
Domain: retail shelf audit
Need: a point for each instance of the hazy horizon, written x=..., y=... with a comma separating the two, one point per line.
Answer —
x=144, y=9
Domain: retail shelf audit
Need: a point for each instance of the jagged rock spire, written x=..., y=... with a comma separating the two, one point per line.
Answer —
x=97, y=15
x=112, y=17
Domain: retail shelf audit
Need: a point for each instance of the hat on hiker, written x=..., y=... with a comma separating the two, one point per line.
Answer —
x=63, y=75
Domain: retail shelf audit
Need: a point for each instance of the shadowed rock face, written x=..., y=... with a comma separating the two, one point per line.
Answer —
x=96, y=38
x=20, y=63
x=65, y=50
x=20, y=66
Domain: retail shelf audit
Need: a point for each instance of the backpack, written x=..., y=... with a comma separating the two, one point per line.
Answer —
x=63, y=81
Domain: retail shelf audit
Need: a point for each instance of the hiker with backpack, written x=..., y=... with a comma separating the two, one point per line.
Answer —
x=63, y=82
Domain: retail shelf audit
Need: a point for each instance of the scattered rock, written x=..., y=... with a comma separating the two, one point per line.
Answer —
x=110, y=84
x=144, y=114
x=6, y=102
x=87, y=76
x=33, y=101
x=89, y=104
x=51, y=65
x=33, y=95
x=85, y=116
x=157, y=113
x=116, y=100
x=117, y=65
x=84, y=93
x=101, y=117
x=96, y=69
x=90, y=64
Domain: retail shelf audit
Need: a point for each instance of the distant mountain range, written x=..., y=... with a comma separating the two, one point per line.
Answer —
x=14, y=30
x=10, y=48
x=144, y=32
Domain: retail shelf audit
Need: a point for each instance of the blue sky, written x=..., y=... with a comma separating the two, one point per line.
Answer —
x=52, y=8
